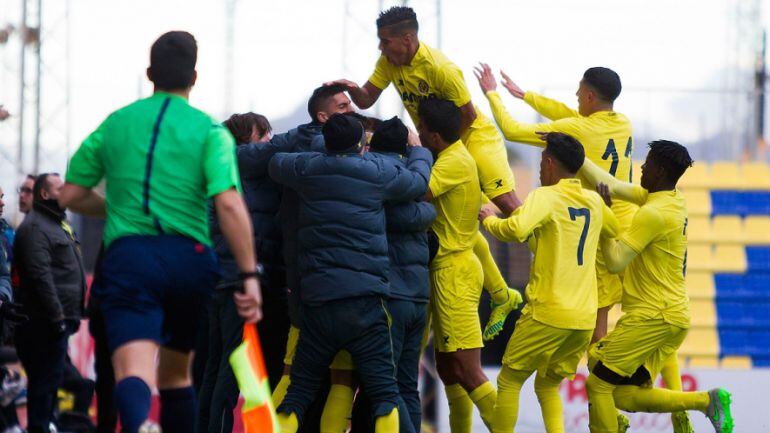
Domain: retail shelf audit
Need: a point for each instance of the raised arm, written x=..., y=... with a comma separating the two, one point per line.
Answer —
x=409, y=184
x=282, y=169
x=522, y=222
x=364, y=97
x=410, y=216
x=593, y=175
x=547, y=107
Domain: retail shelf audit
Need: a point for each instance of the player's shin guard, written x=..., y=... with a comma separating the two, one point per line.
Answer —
x=636, y=399
x=547, y=390
x=280, y=390
x=602, y=414
x=133, y=397
x=387, y=423
x=484, y=397
x=509, y=383
x=494, y=283
x=460, y=409
x=337, y=411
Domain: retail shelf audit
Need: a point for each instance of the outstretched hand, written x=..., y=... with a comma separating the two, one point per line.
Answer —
x=485, y=76
x=485, y=212
x=512, y=87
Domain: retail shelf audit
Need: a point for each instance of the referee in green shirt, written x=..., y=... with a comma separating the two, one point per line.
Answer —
x=162, y=160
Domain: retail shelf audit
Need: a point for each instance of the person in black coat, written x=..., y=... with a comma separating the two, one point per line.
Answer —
x=343, y=261
x=52, y=290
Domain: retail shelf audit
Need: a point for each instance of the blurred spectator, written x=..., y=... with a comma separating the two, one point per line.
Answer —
x=52, y=290
x=4, y=114
x=25, y=194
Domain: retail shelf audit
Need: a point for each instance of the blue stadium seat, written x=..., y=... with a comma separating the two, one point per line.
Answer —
x=759, y=361
x=744, y=315
x=757, y=284
x=759, y=343
x=758, y=258
x=734, y=342
x=740, y=202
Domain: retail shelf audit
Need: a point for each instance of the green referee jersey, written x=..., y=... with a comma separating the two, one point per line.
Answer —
x=161, y=159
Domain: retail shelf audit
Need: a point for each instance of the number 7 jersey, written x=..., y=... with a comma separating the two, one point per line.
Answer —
x=563, y=223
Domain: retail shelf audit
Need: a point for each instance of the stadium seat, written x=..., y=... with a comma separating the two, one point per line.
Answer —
x=757, y=230
x=756, y=286
x=698, y=202
x=703, y=313
x=756, y=175
x=730, y=258
x=734, y=342
x=700, y=285
x=699, y=258
x=726, y=175
x=758, y=258
x=699, y=229
x=700, y=342
x=736, y=362
x=732, y=314
x=728, y=229
x=703, y=362
x=728, y=203
x=696, y=177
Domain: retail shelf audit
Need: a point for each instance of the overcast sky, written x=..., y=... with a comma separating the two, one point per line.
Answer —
x=662, y=49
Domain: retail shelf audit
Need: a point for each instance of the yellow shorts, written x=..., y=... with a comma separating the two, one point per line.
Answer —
x=342, y=361
x=553, y=352
x=609, y=286
x=454, y=302
x=486, y=146
x=636, y=342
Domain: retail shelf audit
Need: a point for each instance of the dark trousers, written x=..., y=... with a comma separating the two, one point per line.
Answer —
x=42, y=354
x=106, y=411
x=408, y=320
x=219, y=390
x=358, y=325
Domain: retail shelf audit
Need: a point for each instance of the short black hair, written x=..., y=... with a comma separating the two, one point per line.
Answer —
x=566, y=149
x=605, y=81
x=319, y=98
x=399, y=18
x=41, y=182
x=441, y=116
x=672, y=156
x=242, y=125
x=172, y=60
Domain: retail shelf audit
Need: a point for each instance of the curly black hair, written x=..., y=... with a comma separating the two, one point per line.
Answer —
x=402, y=18
x=672, y=156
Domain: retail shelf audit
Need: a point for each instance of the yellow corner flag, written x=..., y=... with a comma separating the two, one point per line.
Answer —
x=249, y=368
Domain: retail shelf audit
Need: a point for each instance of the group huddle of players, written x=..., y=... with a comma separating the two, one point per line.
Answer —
x=597, y=240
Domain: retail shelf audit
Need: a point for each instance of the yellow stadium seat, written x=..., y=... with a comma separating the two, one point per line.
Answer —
x=728, y=229
x=699, y=229
x=699, y=258
x=703, y=362
x=756, y=175
x=736, y=362
x=697, y=177
x=729, y=258
x=703, y=313
x=698, y=202
x=700, y=285
x=726, y=175
x=757, y=229
x=700, y=342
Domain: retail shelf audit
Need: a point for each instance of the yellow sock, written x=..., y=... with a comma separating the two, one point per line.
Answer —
x=485, y=397
x=460, y=409
x=494, y=283
x=657, y=400
x=547, y=390
x=337, y=411
x=670, y=373
x=280, y=390
x=288, y=423
x=602, y=414
x=509, y=384
x=387, y=423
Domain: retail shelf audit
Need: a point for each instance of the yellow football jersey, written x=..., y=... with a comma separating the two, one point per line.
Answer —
x=654, y=280
x=566, y=221
x=606, y=136
x=430, y=74
x=454, y=184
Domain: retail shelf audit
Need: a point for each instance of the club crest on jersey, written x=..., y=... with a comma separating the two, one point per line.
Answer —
x=423, y=87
